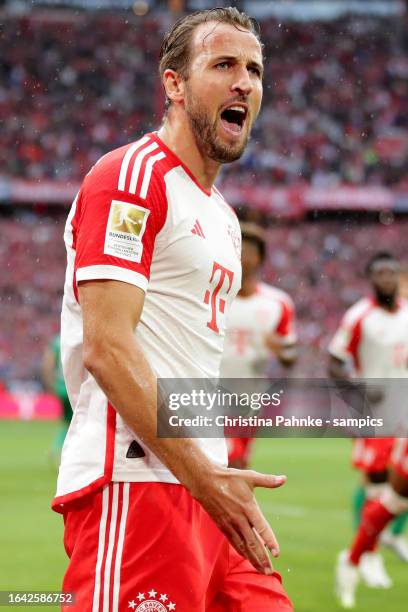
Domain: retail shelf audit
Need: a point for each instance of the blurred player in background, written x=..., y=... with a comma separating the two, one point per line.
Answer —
x=372, y=342
x=154, y=523
x=261, y=324
x=377, y=514
x=393, y=537
x=54, y=383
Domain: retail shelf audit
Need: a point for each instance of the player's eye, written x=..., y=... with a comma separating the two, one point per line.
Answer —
x=222, y=65
x=254, y=70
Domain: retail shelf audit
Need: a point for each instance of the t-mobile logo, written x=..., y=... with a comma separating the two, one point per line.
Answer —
x=211, y=296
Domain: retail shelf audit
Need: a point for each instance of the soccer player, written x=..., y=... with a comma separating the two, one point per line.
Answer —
x=54, y=383
x=377, y=514
x=372, y=342
x=393, y=537
x=153, y=265
x=261, y=323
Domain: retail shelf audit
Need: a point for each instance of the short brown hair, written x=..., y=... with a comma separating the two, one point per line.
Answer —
x=175, y=49
x=255, y=234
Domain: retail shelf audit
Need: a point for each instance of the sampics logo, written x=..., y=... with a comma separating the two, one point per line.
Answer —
x=125, y=229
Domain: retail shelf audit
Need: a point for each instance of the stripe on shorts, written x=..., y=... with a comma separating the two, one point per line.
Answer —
x=101, y=548
x=115, y=503
x=399, y=450
x=112, y=535
x=121, y=540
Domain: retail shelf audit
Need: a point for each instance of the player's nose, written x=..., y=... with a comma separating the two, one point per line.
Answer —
x=242, y=81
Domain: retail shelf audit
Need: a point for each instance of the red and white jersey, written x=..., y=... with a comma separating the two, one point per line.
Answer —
x=141, y=218
x=250, y=320
x=374, y=339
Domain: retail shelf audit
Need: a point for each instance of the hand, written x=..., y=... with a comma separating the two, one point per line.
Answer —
x=227, y=495
x=273, y=342
x=374, y=393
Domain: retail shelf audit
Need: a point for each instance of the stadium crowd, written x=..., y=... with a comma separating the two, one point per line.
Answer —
x=320, y=263
x=32, y=261
x=334, y=112
x=334, y=109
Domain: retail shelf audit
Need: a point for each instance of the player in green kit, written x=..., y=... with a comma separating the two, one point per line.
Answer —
x=54, y=383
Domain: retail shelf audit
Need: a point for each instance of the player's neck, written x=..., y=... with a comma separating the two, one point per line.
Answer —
x=388, y=302
x=177, y=135
x=249, y=287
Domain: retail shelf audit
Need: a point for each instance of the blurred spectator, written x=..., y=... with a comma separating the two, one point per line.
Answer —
x=32, y=262
x=71, y=90
x=336, y=95
x=335, y=104
x=334, y=111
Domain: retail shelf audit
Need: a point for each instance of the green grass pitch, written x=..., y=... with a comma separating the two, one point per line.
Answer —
x=310, y=515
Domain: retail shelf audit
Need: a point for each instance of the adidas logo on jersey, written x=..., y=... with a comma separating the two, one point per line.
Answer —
x=197, y=229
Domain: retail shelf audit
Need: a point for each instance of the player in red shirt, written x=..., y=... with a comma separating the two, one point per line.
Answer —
x=153, y=265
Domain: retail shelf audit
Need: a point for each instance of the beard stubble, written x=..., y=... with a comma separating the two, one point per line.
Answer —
x=205, y=135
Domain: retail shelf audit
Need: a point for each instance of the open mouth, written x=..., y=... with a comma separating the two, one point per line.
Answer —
x=233, y=118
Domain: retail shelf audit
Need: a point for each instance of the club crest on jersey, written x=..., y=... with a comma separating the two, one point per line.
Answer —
x=124, y=231
x=236, y=239
x=152, y=601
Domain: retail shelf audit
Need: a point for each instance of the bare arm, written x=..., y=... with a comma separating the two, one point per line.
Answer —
x=337, y=369
x=111, y=311
x=286, y=353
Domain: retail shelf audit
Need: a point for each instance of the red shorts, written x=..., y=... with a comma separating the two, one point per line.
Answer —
x=372, y=454
x=239, y=450
x=399, y=457
x=150, y=547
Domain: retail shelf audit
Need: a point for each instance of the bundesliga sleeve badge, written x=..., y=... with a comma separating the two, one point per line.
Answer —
x=124, y=231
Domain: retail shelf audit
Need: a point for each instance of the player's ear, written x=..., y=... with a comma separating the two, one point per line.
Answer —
x=174, y=85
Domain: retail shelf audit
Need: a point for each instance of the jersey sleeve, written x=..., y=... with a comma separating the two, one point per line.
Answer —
x=345, y=341
x=116, y=231
x=285, y=327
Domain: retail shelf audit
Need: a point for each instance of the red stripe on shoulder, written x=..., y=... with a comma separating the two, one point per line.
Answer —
x=286, y=320
x=115, y=168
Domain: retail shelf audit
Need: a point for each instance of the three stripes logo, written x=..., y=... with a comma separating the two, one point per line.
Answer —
x=197, y=229
x=137, y=166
